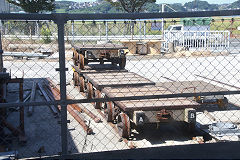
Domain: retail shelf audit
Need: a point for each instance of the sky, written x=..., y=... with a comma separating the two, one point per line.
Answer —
x=209, y=1
x=177, y=1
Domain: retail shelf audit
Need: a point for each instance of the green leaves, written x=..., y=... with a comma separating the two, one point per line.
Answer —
x=34, y=6
x=130, y=6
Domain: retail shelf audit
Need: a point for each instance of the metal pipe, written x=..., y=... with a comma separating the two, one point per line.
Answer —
x=106, y=30
x=21, y=108
x=86, y=128
x=79, y=120
x=1, y=52
x=85, y=110
x=60, y=19
x=75, y=106
x=70, y=101
x=55, y=16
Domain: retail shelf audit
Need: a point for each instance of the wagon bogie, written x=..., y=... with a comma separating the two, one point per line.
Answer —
x=99, y=53
x=75, y=78
x=122, y=62
x=222, y=103
x=219, y=100
x=90, y=91
x=109, y=111
x=81, y=61
x=123, y=125
x=141, y=118
x=81, y=84
x=98, y=94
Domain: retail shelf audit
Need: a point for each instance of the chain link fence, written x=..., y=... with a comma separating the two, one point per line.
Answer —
x=78, y=84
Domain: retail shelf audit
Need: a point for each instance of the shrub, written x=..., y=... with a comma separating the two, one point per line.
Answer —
x=46, y=35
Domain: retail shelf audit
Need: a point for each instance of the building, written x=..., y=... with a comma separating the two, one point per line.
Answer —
x=4, y=6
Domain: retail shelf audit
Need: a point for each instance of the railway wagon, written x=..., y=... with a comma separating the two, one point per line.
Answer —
x=109, y=52
x=196, y=87
x=137, y=113
x=134, y=113
x=79, y=80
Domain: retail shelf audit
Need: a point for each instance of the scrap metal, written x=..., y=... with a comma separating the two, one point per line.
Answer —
x=32, y=98
x=56, y=93
x=75, y=106
x=52, y=108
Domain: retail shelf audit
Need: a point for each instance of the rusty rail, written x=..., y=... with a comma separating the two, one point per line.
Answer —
x=56, y=94
x=32, y=98
x=52, y=108
x=77, y=107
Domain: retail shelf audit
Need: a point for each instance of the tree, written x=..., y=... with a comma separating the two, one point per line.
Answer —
x=235, y=5
x=130, y=6
x=200, y=5
x=34, y=6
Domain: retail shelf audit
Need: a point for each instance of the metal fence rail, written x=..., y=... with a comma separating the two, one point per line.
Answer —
x=192, y=73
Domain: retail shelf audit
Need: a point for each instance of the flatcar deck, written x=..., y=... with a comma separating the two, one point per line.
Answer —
x=116, y=79
x=99, y=68
x=107, y=46
x=191, y=86
x=148, y=104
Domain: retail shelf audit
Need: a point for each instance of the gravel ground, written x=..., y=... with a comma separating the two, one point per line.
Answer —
x=42, y=129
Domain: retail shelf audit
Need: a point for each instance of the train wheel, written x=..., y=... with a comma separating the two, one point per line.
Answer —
x=75, y=78
x=75, y=55
x=81, y=84
x=222, y=103
x=108, y=111
x=81, y=61
x=122, y=62
x=123, y=125
x=191, y=127
x=114, y=61
x=85, y=61
x=89, y=91
x=98, y=94
x=101, y=61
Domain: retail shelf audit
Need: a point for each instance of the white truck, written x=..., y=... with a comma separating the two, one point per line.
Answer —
x=197, y=37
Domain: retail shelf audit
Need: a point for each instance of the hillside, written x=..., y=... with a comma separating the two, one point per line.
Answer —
x=102, y=6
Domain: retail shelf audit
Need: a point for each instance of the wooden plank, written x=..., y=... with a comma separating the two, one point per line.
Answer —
x=118, y=79
x=145, y=104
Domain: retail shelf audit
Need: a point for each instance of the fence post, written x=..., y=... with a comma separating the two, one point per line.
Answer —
x=106, y=30
x=60, y=20
x=1, y=52
x=72, y=31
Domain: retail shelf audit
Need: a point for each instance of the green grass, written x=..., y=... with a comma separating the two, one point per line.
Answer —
x=60, y=11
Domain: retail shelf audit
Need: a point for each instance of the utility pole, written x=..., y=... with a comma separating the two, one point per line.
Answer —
x=162, y=19
x=163, y=10
x=196, y=6
x=1, y=52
